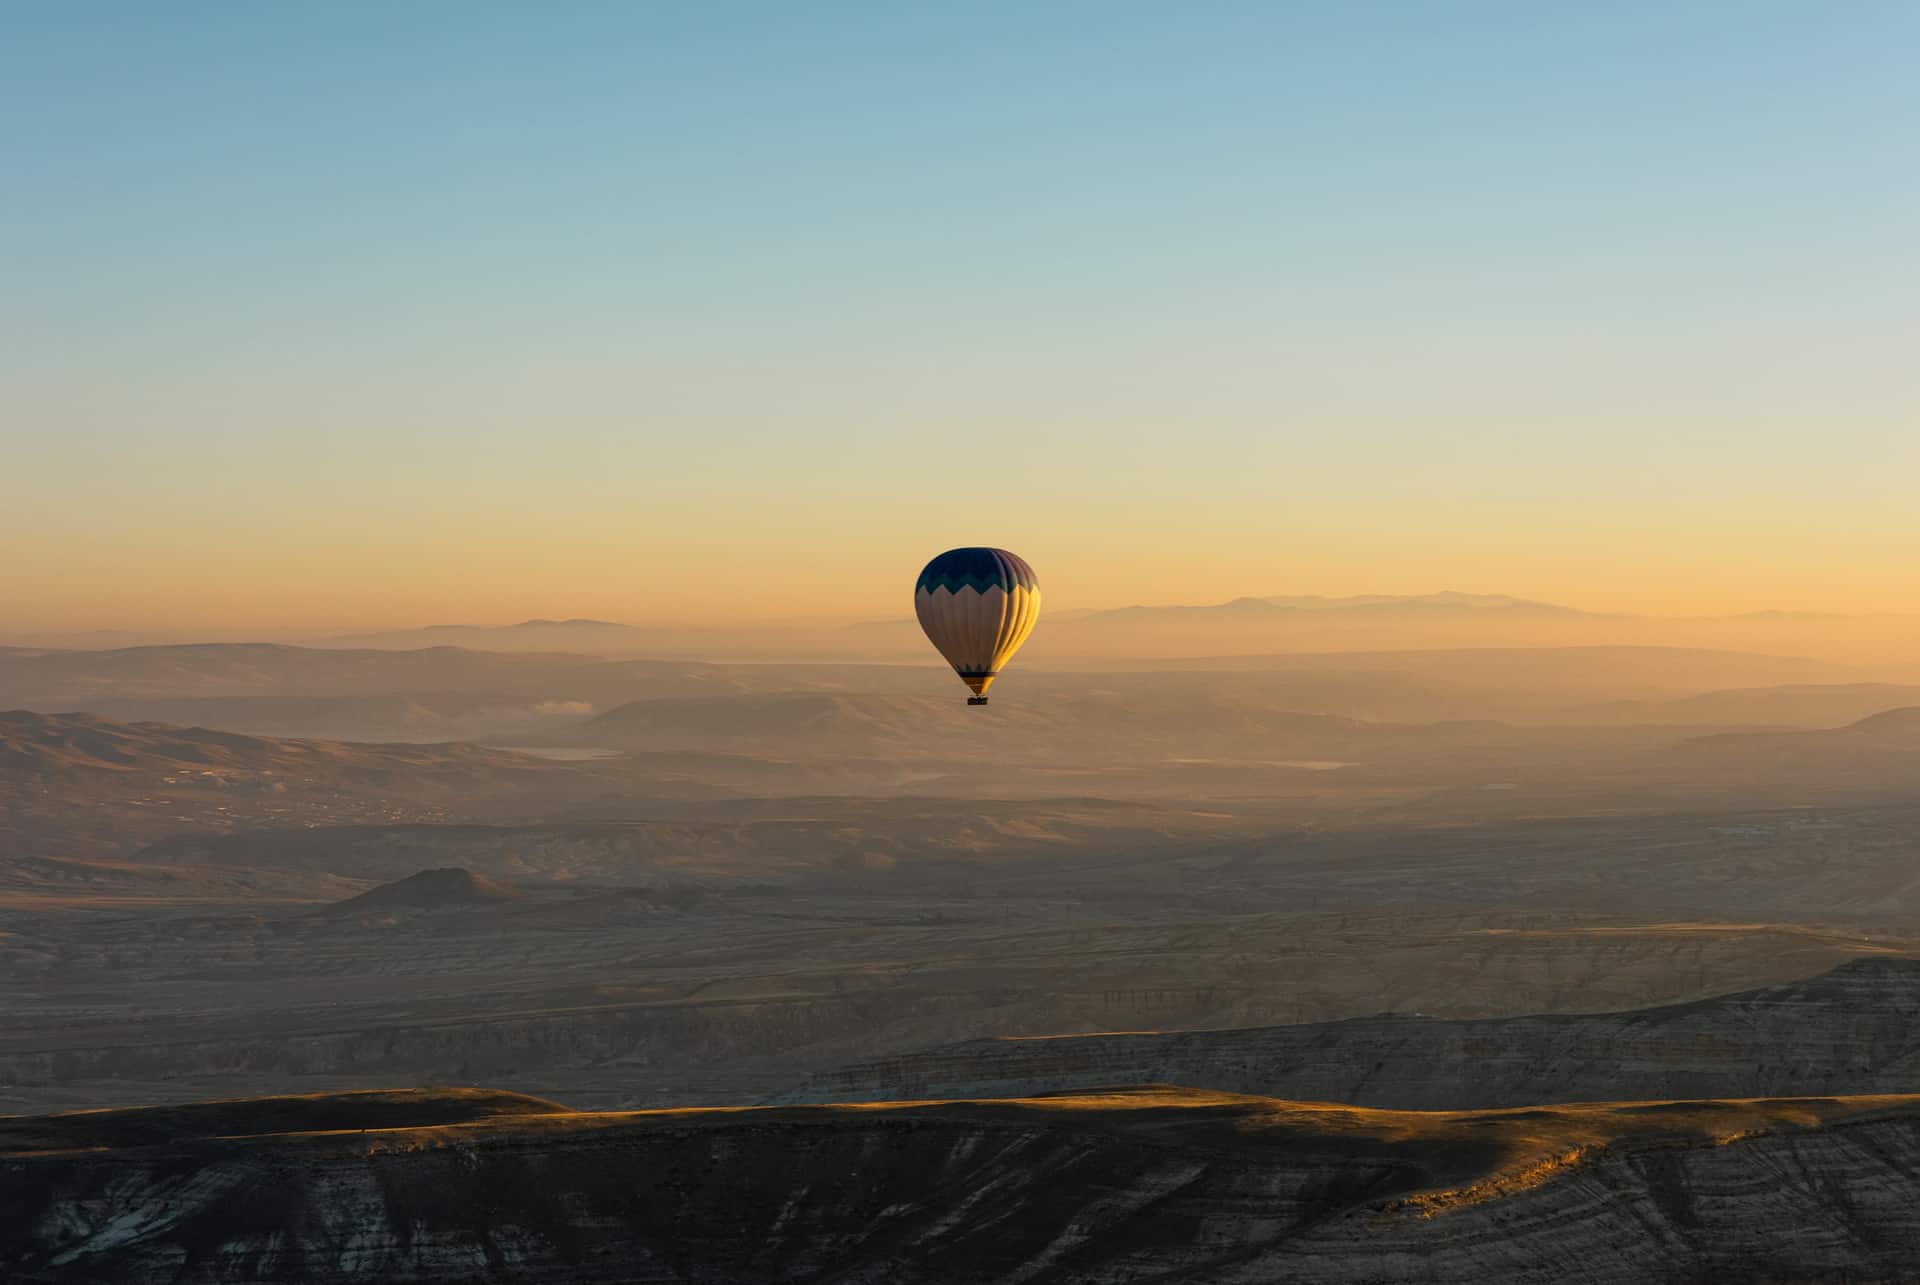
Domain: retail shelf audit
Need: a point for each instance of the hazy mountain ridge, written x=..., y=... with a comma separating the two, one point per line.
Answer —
x=610, y=636
x=37, y=744
x=1245, y=625
x=448, y=693
x=1879, y=751
x=1283, y=605
x=440, y=693
x=1788, y=705
x=1255, y=626
x=1889, y=729
x=76, y=785
x=576, y=634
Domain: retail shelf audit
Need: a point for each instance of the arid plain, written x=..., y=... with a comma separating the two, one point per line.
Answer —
x=1434, y=878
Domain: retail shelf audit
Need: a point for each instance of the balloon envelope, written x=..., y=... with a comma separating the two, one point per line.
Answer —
x=977, y=606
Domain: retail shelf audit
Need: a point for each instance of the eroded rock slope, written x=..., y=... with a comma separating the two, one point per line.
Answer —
x=1855, y=1029
x=1135, y=1185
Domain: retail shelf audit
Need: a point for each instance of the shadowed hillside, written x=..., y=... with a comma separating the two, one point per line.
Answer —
x=1889, y=731
x=448, y=888
x=1791, y=705
x=1855, y=1029
x=1878, y=750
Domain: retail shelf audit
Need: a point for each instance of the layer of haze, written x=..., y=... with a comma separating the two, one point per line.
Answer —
x=360, y=316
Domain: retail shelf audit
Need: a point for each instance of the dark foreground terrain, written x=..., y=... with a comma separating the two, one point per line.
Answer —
x=1136, y=1184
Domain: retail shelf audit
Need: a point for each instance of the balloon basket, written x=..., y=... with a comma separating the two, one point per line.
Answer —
x=976, y=700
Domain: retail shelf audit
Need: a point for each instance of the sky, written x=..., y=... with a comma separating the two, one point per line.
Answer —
x=365, y=315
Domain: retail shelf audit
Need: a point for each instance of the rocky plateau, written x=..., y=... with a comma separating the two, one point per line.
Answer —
x=1128, y=1185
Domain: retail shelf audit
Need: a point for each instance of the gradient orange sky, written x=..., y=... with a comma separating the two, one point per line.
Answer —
x=361, y=319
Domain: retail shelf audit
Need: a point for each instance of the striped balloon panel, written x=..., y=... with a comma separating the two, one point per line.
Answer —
x=977, y=568
x=977, y=631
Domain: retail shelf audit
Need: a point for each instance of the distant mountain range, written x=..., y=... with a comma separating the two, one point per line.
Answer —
x=1444, y=603
x=562, y=635
x=577, y=635
x=1270, y=624
x=1243, y=626
x=559, y=633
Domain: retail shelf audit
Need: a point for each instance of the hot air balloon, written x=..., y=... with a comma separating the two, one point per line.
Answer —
x=977, y=606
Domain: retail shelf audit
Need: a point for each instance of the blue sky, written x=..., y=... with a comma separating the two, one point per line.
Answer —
x=295, y=285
